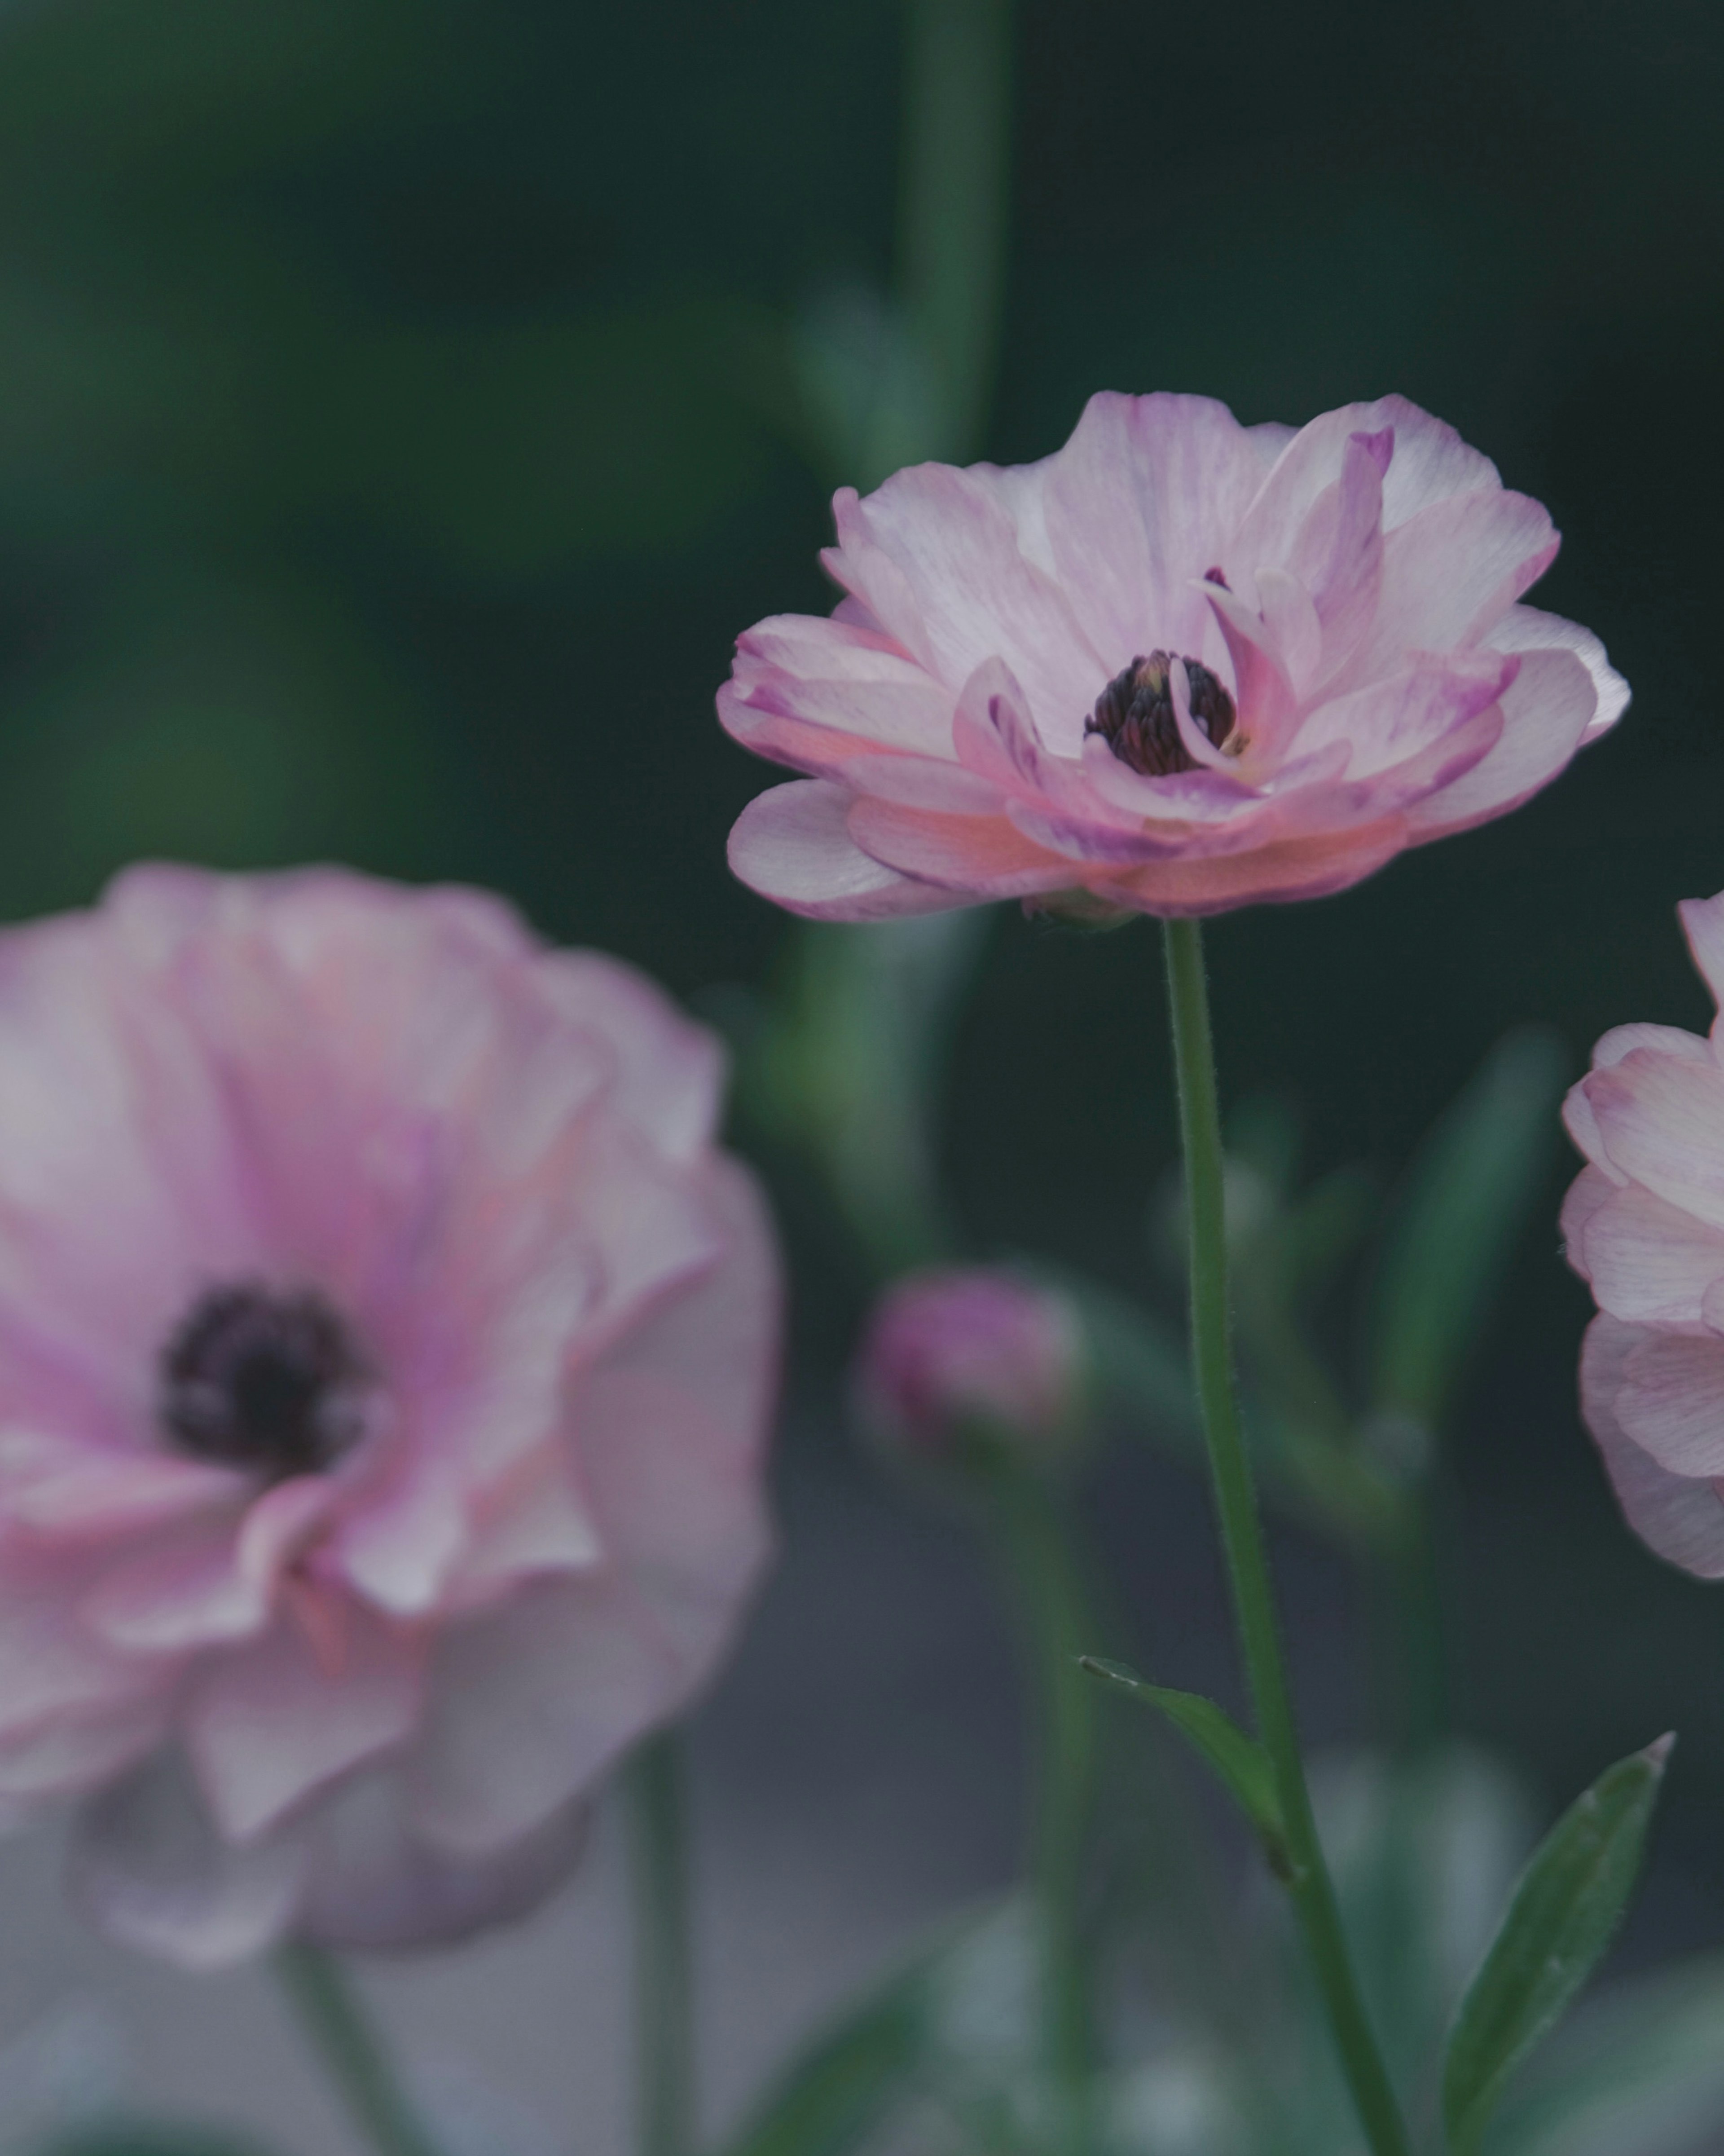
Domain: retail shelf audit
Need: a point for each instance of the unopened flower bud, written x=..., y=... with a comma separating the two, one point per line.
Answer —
x=966, y=1353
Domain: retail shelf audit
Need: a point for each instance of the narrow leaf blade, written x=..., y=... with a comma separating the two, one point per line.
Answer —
x=1454, y=1225
x=1561, y=1917
x=1238, y=1761
x=846, y=2082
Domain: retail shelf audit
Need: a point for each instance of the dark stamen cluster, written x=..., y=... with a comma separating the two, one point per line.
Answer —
x=1134, y=715
x=257, y=1378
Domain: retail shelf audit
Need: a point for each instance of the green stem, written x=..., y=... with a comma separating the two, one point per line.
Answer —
x=1242, y=1538
x=663, y=2004
x=953, y=205
x=345, y=2037
x=1048, y=1579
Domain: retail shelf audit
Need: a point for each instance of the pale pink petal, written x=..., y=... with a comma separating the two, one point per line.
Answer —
x=1395, y=720
x=59, y=1485
x=211, y=1579
x=1547, y=711
x=373, y=1886
x=150, y=1868
x=536, y=1520
x=1649, y=1262
x=977, y=596
x=1337, y=555
x=1680, y=1516
x=268, y=1724
x=1526, y=628
x=669, y=1073
x=1140, y=502
x=981, y=856
x=1451, y=573
x=792, y=845
x=67, y=1754
x=1668, y=1399
x=1661, y=1120
x=530, y=1704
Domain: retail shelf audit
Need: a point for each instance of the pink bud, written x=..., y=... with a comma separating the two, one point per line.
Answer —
x=971, y=1348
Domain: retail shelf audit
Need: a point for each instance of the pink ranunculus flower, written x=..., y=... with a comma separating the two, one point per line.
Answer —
x=1180, y=666
x=385, y=1358
x=951, y=1350
x=1644, y=1226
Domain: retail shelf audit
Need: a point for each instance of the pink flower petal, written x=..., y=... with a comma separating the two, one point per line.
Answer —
x=267, y=1724
x=152, y=1871
x=1451, y=574
x=1547, y=711
x=1144, y=498
x=793, y=845
x=373, y=1886
x=1667, y=1399
x=1680, y=1516
x=1526, y=629
x=1649, y=1262
x=1661, y=1120
x=977, y=594
x=973, y=856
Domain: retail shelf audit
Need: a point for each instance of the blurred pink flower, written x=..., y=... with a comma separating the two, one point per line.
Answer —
x=1643, y=1225
x=1180, y=666
x=950, y=1351
x=385, y=1357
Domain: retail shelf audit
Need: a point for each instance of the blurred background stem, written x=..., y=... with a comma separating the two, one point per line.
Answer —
x=1047, y=1571
x=664, y=2005
x=346, y=2039
x=1313, y=1892
x=953, y=207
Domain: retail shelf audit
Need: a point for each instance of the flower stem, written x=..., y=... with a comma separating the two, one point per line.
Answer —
x=663, y=2004
x=1312, y=1892
x=1047, y=1578
x=954, y=205
x=346, y=2039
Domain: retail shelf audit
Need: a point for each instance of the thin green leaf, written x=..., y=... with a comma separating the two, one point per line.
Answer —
x=1238, y=1760
x=1642, y=2070
x=1454, y=1225
x=1562, y=1917
x=844, y=2083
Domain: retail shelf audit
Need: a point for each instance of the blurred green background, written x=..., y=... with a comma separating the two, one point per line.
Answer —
x=401, y=412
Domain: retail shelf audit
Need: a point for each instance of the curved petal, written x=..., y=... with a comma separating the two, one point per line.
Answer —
x=1528, y=629
x=1545, y=713
x=1661, y=1120
x=1648, y=1261
x=1670, y=1399
x=270, y=1723
x=794, y=846
x=1680, y=1517
x=152, y=1870
x=372, y=1885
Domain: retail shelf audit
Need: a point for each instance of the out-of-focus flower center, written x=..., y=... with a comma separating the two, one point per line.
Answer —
x=1134, y=715
x=257, y=1378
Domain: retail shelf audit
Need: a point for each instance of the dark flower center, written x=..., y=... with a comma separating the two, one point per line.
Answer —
x=1134, y=715
x=256, y=1378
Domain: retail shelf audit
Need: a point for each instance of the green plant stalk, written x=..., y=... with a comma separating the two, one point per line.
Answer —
x=954, y=203
x=344, y=2038
x=1312, y=1892
x=664, y=1997
x=1047, y=1579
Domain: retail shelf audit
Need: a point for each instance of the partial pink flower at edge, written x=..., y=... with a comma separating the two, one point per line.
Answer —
x=1180, y=666
x=386, y=1358
x=1644, y=1226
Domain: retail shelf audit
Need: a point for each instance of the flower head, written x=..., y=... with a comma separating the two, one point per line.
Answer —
x=385, y=1356
x=1180, y=666
x=1643, y=1225
x=948, y=1352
